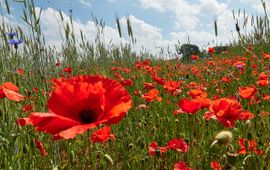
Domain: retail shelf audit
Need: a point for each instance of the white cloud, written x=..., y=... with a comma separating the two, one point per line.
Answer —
x=147, y=36
x=203, y=38
x=86, y=2
x=184, y=11
x=53, y=29
x=196, y=20
x=257, y=5
x=188, y=15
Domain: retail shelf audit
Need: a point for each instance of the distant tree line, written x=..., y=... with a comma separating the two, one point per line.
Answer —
x=186, y=50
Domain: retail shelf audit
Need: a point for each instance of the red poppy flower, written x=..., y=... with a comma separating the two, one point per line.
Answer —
x=266, y=97
x=27, y=108
x=215, y=165
x=81, y=103
x=127, y=82
x=204, y=102
x=194, y=57
x=154, y=149
x=263, y=76
x=195, y=70
x=251, y=146
x=20, y=71
x=171, y=85
x=194, y=93
x=227, y=111
x=262, y=83
x=113, y=68
x=247, y=92
x=151, y=96
x=102, y=135
x=158, y=80
x=226, y=79
x=181, y=166
x=189, y=106
x=211, y=50
x=67, y=70
x=57, y=64
x=148, y=86
x=178, y=144
x=266, y=56
x=40, y=148
x=10, y=91
x=239, y=64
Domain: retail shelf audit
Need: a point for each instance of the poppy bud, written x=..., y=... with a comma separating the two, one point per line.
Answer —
x=223, y=138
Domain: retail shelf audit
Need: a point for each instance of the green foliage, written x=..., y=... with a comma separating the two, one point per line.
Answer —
x=141, y=126
x=186, y=50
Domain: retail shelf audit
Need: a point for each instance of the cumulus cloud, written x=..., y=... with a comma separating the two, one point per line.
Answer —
x=147, y=36
x=196, y=19
x=86, y=2
x=257, y=5
x=53, y=29
x=188, y=15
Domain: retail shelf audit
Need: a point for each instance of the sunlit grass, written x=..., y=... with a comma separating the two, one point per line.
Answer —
x=153, y=121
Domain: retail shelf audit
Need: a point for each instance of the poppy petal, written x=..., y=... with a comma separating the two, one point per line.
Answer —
x=189, y=106
x=12, y=95
x=73, y=131
x=51, y=123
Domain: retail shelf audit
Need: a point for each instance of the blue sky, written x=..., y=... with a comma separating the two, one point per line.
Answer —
x=156, y=23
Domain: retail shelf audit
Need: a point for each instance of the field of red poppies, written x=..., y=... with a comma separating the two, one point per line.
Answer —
x=70, y=110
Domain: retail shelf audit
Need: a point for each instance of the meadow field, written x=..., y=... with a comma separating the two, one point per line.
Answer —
x=88, y=106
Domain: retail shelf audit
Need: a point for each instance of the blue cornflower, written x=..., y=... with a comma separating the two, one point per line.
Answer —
x=15, y=42
x=239, y=66
x=11, y=34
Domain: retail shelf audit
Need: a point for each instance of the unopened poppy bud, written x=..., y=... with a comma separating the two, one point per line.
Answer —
x=248, y=124
x=223, y=138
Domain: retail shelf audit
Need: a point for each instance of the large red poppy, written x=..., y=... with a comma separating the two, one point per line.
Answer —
x=247, y=92
x=81, y=103
x=189, y=106
x=227, y=111
x=10, y=91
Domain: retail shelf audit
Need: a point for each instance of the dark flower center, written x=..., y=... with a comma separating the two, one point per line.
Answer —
x=87, y=116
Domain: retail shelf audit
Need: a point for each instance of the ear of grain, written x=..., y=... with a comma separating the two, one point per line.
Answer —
x=118, y=25
x=7, y=6
x=215, y=26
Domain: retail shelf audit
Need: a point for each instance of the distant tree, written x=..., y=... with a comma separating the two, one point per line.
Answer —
x=186, y=50
x=220, y=49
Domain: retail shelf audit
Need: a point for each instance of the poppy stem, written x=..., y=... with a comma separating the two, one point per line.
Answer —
x=89, y=145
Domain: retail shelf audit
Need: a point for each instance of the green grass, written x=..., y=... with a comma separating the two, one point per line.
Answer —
x=141, y=126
